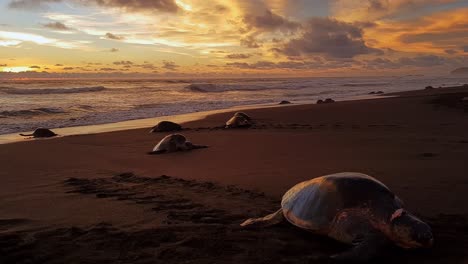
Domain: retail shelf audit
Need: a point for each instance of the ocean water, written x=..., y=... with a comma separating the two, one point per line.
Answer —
x=28, y=104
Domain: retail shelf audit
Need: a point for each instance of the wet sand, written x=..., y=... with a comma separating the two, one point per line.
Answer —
x=99, y=198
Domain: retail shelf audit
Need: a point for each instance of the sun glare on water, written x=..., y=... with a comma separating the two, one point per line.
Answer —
x=16, y=69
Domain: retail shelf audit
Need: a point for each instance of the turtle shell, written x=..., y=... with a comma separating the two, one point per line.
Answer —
x=166, y=126
x=170, y=142
x=314, y=204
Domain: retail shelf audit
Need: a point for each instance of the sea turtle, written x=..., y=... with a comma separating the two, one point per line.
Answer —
x=353, y=208
x=244, y=115
x=172, y=143
x=238, y=121
x=166, y=126
x=284, y=102
x=40, y=133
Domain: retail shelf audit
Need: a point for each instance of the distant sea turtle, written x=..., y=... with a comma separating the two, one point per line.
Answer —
x=284, y=102
x=239, y=120
x=40, y=133
x=172, y=143
x=353, y=208
x=166, y=126
x=244, y=115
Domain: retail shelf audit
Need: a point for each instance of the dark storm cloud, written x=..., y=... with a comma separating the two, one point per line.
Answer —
x=170, y=65
x=238, y=56
x=56, y=26
x=113, y=36
x=329, y=37
x=269, y=21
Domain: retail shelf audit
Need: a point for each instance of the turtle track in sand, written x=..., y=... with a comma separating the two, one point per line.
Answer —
x=201, y=226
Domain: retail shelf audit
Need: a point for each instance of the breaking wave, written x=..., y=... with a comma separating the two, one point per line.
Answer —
x=13, y=90
x=31, y=112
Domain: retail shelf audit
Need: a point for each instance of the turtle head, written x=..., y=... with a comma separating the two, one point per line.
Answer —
x=408, y=231
x=189, y=145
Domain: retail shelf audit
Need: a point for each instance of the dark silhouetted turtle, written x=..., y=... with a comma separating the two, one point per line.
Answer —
x=173, y=143
x=244, y=115
x=166, y=126
x=329, y=101
x=320, y=101
x=353, y=208
x=284, y=102
x=40, y=133
x=239, y=120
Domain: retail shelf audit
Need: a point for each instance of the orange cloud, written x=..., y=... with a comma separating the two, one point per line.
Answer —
x=435, y=33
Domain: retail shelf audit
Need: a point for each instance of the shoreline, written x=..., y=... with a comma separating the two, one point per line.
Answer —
x=149, y=122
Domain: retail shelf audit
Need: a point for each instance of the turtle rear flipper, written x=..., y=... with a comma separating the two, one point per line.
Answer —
x=363, y=251
x=269, y=220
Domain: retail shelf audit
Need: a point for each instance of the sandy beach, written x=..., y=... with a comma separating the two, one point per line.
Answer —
x=101, y=199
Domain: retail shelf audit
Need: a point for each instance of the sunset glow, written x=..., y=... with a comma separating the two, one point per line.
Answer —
x=234, y=38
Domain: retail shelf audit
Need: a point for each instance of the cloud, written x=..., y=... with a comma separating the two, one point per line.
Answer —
x=68, y=68
x=370, y=10
x=112, y=36
x=269, y=21
x=3, y=65
x=141, y=5
x=420, y=61
x=450, y=51
x=114, y=50
x=57, y=26
x=170, y=65
x=107, y=69
x=15, y=38
x=238, y=56
x=123, y=63
x=31, y=4
x=58, y=65
x=127, y=5
x=465, y=48
x=147, y=65
x=250, y=42
x=35, y=67
x=330, y=37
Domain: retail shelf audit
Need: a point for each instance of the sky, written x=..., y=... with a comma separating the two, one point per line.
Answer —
x=222, y=38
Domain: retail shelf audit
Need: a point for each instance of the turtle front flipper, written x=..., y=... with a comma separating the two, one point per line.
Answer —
x=363, y=251
x=269, y=220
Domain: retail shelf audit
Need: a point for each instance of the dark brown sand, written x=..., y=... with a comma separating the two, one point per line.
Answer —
x=101, y=199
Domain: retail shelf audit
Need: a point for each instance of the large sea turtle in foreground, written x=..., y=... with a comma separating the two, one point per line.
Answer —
x=172, y=143
x=353, y=208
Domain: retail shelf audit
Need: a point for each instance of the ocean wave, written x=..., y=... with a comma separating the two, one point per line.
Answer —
x=31, y=112
x=364, y=84
x=13, y=90
x=219, y=88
